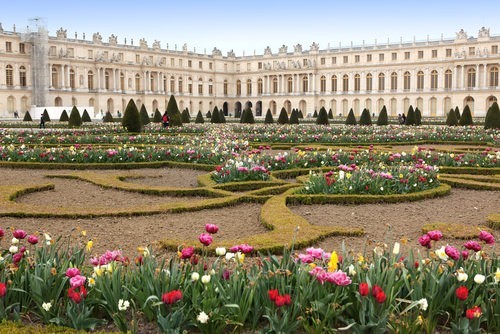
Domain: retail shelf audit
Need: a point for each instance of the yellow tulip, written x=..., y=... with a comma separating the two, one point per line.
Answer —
x=333, y=263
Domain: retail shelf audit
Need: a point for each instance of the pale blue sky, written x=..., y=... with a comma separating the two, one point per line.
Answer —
x=246, y=26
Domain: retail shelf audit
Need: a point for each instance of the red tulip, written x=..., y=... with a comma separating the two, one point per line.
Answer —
x=364, y=289
x=3, y=289
x=462, y=292
x=474, y=312
x=171, y=297
x=273, y=294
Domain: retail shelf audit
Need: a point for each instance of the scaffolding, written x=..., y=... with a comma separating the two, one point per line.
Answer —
x=37, y=36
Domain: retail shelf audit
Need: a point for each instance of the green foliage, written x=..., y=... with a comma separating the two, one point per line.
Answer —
x=46, y=116
x=410, y=117
x=351, y=119
x=330, y=114
x=451, y=118
x=269, y=117
x=131, y=118
x=418, y=117
x=457, y=113
x=199, y=118
x=294, y=117
x=144, y=115
x=108, y=118
x=283, y=117
x=315, y=114
x=74, y=117
x=157, y=116
x=215, y=119
x=492, y=120
x=301, y=116
x=27, y=117
x=382, y=117
x=185, y=117
x=209, y=114
x=365, y=118
x=322, y=118
x=222, y=116
x=64, y=116
x=173, y=112
x=466, y=118
x=86, y=117
x=247, y=116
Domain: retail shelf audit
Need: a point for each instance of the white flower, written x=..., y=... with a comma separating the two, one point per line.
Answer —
x=396, y=248
x=47, y=306
x=195, y=276
x=202, y=317
x=381, y=188
x=423, y=304
x=352, y=271
x=442, y=254
x=13, y=249
x=229, y=256
x=220, y=251
x=15, y=241
x=497, y=276
x=123, y=305
x=461, y=275
x=479, y=279
x=205, y=279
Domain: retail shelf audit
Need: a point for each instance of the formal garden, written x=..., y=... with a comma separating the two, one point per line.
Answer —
x=245, y=225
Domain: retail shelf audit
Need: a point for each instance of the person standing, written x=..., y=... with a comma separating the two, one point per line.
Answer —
x=42, y=122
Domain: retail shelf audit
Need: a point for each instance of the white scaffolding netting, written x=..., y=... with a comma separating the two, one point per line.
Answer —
x=37, y=36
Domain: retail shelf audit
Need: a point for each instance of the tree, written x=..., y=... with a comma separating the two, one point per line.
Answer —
x=144, y=115
x=215, y=116
x=301, y=116
x=322, y=118
x=315, y=114
x=64, y=116
x=457, y=112
x=365, y=118
x=410, y=117
x=185, y=117
x=294, y=117
x=466, y=118
x=247, y=116
x=27, y=117
x=382, y=117
x=351, y=119
x=157, y=116
x=199, y=118
x=209, y=114
x=108, y=118
x=222, y=116
x=269, y=117
x=492, y=120
x=131, y=118
x=330, y=113
x=283, y=117
x=418, y=117
x=46, y=116
x=173, y=112
x=86, y=117
x=451, y=118
x=74, y=117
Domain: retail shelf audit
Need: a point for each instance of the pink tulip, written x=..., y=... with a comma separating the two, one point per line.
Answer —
x=435, y=235
x=211, y=228
x=425, y=241
x=19, y=234
x=72, y=272
x=452, y=252
x=487, y=237
x=206, y=239
x=33, y=239
x=474, y=245
x=187, y=252
x=77, y=281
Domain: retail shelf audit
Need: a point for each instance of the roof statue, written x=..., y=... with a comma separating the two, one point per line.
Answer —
x=461, y=35
x=267, y=51
x=113, y=40
x=97, y=38
x=61, y=33
x=284, y=49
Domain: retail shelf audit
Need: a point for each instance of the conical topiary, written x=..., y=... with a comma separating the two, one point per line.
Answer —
x=157, y=116
x=144, y=115
x=173, y=112
x=215, y=119
x=74, y=117
x=382, y=117
x=457, y=112
x=330, y=113
x=466, y=118
x=294, y=117
x=64, y=116
x=131, y=118
x=269, y=117
x=27, y=117
x=221, y=116
x=492, y=120
x=418, y=117
x=199, y=118
x=247, y=116
x=185, y=117
x=46, y=116
x=410, y=118
x=451, y=118
x=283, y=117
x=108, y=118
x=315, y=114
x=209, y=115
x=301, y=116
x=365, y=118
x=322, y=118
x=351, y=119
x=86, y=117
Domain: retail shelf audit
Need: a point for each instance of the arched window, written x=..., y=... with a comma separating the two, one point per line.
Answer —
x=275, y=85
x=322, y=84
x=381, y=82
x=434, y=80
x=200, y=87
x=260, y=87
x=137, y=82
x=22, y=76
x=357, y=82
x=289, y=84
x=420, y=80
x=210, y=87
x=249, y=87
x=238, y=88
x=122, y=81
x=190, y=85
x=369, y=82
x=494, y=76
x=225, y=87
x=334, y=83
x=55, y=82
x=447, y=79
x=172, y=84
x=471, y=78
x=406, y=81
x=180, y=84
x=90, y=80
x=394, y=81
x=72, y=79
x=106, y=80
x=305, y=84
x=345, y=83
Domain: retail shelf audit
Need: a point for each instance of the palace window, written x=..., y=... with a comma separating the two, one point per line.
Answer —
x=224, y=88
x=305, y=84
x=22, y=76
x=90, y=80
x=8, y=46
x=180, y=63
x=346, y=59
x=394, y=56
x=190, y=85
x=210, y=66
x=172, y=62
x=72, y=79
x=334, y=60
x=494, y=49
x=434, y=53
x=290, y=85
x=407, y=55
x=137, y=59
x=448, y=52
x=137, y=83
x=55, y=76
x=172, y=84
x=447, y=79
x=22, y=48
x=356, y=58
x=420, y=80
x=259, y=65
x=322, y=84
x=260, y=87
x=200, y=65
x=420, y=54
x=275, y=85
x=181, y=89
x=369, y=82
x=190, y=63
x=471, y=78
x=238, y=88
x=90, y=54
x=381, y=82
x=357, y=82
x=472, y=51
x=406, y=81
x=345, y=83
x=381, y=57
x=323, y=60
x=210, y=87
x=494, y=76
x=334, y=83
x=249, y=87
x=304, y=62
x=434, y=80
x=200, y=87
x=368, y=58
x=394, y=81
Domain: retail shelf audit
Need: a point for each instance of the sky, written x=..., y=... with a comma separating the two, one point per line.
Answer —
x=248, y=27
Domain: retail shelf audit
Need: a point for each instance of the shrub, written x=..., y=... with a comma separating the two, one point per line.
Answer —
x=418, y=117
x=46, y=116
x=209, y=114
x=322, y=118
x=173, y=112
x=269, y=117
x=108, y=118
x=492, y=120
x=144, y=115
x=283, y=117
x=247, y=116
x=330, y=114
x=301, y=116
x=27, y=117
x=410, y=117
x=382, y=117
x=86, y=117
x=451, y=118
x=64, y=116
x=351, y=119
x=222, y=116
x=215, y=119
x=157, y=116
x=294, y=117
x=131, y=118
x=366, y=118
x=457, y=113
x=466, y=118
x=315, y=114
x=185, y=117
x=199, y=118
x=74, y=117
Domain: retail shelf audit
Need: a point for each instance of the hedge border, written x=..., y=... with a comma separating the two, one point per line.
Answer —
x=470, y=184
x=455, y=230
x=494, y=221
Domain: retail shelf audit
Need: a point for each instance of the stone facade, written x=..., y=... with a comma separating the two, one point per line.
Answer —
x=104, y=73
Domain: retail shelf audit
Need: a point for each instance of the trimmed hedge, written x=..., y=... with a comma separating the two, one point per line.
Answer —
x=454, y=230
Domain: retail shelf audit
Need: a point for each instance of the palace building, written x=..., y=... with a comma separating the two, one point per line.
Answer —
x=38, y=70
